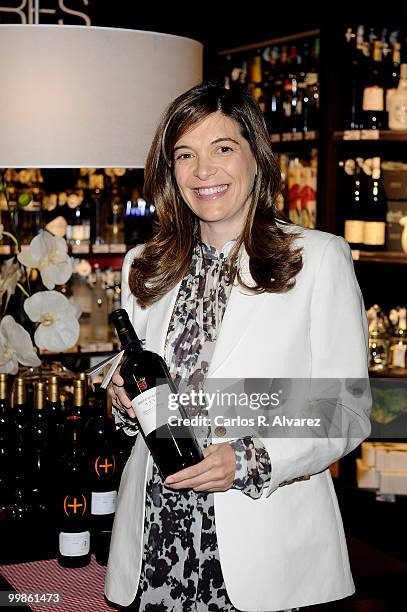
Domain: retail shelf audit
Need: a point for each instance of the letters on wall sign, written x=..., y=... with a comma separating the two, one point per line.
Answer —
x=54, y=11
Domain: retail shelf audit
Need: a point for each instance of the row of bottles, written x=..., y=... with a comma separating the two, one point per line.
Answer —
x=60, y=462
x=377, y=90
x=364, y=203
x=97, y=293
x=299, y=187
x=285, y=82
x=387, y=339
x=92, y=210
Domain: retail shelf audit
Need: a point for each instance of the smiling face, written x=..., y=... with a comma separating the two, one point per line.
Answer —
x=215, y=171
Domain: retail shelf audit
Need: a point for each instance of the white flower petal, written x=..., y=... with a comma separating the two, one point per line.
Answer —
x=33, y=306
x=40, y=245
x=10, y=366
x=26, y=258
x=58, y=273
x=20, y=342
x=46, y=279
x=47, y=302
x=61, y=246
x=58, y=337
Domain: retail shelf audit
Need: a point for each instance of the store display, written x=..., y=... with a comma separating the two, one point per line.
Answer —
x=285, y=83
x=372, y=59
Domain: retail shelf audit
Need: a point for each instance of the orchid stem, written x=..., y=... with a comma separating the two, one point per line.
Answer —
x=23, y=290
x=12, y=237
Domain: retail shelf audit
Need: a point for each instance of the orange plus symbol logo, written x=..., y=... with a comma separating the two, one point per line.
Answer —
x=105, y=466
x=74, y=505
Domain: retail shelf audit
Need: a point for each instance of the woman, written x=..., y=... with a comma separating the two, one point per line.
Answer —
x=227, y=288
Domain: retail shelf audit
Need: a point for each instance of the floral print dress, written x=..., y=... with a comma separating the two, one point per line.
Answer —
x=181, y=570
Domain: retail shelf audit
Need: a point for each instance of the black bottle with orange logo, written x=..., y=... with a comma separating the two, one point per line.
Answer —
x=103, y=474
x=73, y=501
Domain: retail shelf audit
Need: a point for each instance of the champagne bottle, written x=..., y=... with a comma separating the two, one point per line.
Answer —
x=374, y=237
x=102, y=469
x=354, y=223
x=398, y=343
x=73, y=503
x=172, y=448
x=99, y=315
x=398, y=103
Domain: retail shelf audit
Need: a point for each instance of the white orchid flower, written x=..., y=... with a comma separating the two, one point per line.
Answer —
x=15, y=347
x=58, y=328
x=49, y=254
x=10, y=274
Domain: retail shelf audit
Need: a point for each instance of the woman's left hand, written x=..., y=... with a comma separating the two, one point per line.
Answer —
x=216, y=472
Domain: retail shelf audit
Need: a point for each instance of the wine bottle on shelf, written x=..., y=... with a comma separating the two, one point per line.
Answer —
x=20, y=424
x=4, y=406
x=73, y=503
x=77, y=412
x=55, y=415
x=102, y=469
x=39, y=460
x=374, y=237
x=398, y=342
x=5, y=451
x=99, y=315
x=392, y=61
x=173, y=448
x=374, y=115
x=398, y=103
x=354, y=222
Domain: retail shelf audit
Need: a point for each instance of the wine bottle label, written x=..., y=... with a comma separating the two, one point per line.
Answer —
x=151, y=408
x=373, y=98
x=398, y=115
x=80, y=232
x=103, y=503
x=374, y=233
x=399, y=356
x=74, y=544
x=354, y=231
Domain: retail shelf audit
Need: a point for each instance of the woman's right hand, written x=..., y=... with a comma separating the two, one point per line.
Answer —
x=118, y=395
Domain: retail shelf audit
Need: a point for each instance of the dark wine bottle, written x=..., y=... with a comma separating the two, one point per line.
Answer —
x=5, y=457
x=38, y=450
x=354, y=222
x=20, y=424
x=376, y=211
x=55, y=416
x=73, y=508
x=102, y=470
x=172, y=447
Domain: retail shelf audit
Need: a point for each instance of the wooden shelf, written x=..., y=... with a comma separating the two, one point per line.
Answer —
x=295, y=142
x=371, y=136
x=389, y=373
x=382, y=257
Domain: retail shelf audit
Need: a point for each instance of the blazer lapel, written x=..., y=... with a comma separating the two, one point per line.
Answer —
x=242, y=310
x=158, y=321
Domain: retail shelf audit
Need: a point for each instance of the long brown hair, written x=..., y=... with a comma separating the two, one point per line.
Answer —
x=166, y=257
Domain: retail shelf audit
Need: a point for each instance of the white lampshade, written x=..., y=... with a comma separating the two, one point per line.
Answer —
x=76, y=96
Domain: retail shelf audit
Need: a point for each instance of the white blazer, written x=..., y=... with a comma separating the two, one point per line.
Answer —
x=286, y=549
